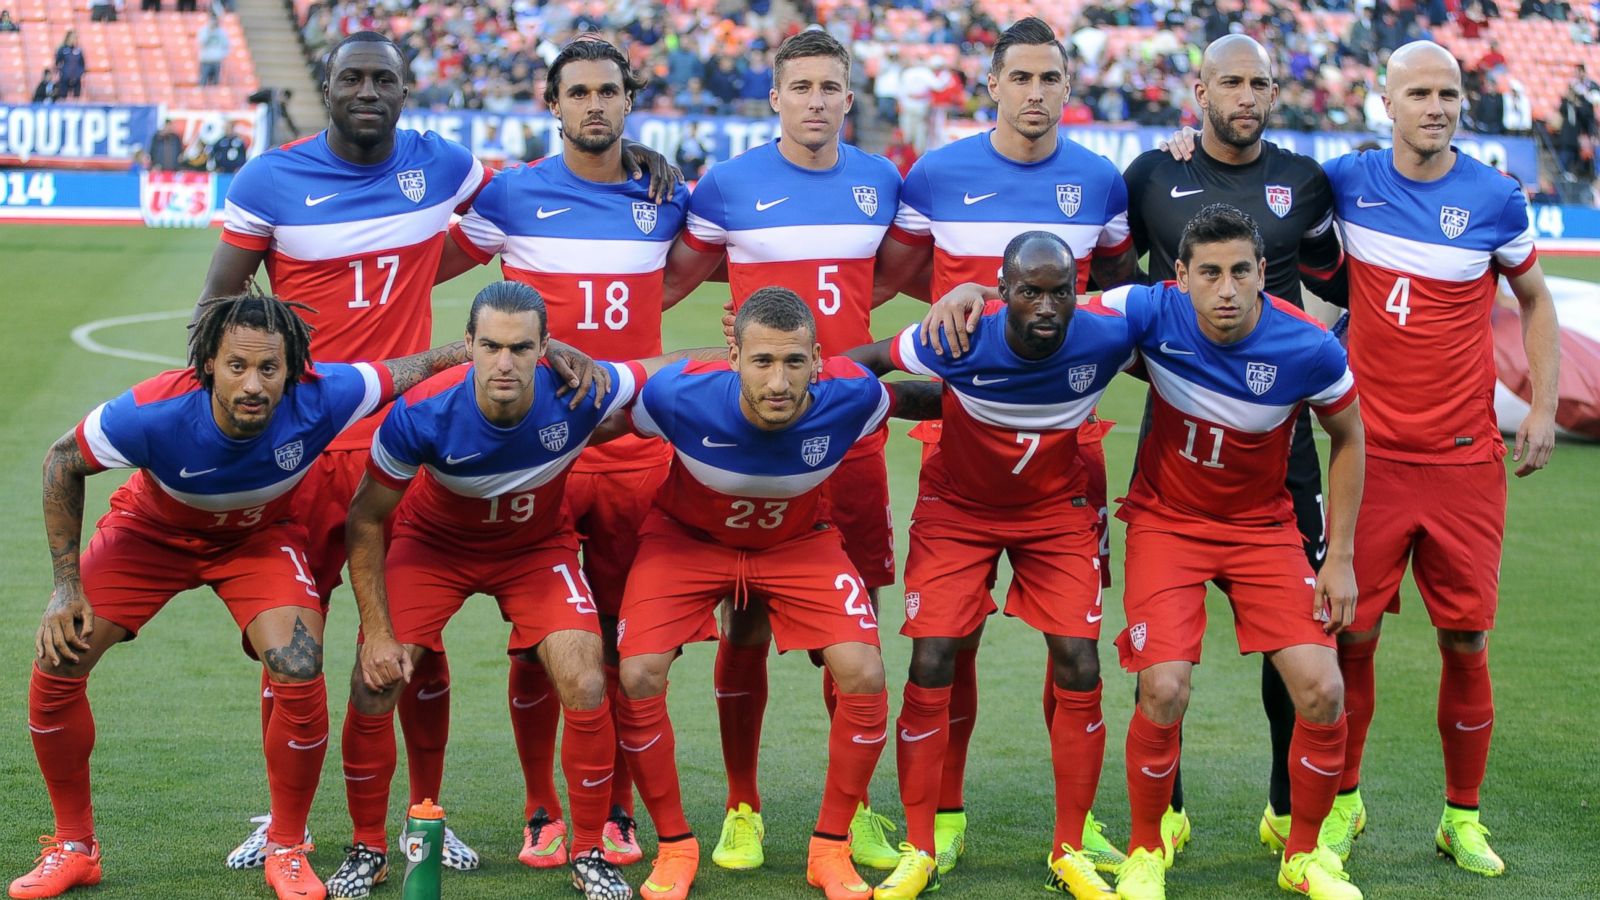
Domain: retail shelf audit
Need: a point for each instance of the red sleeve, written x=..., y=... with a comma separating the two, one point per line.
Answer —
x=906, y=237
x=83, y=447
x=1533, y=257
x=461, y=209
x=1116, y=250
x=385, y=382
x=468, y=247
x=384, y=478
x=700, y=245
x=1328, y=409
x=246, y=241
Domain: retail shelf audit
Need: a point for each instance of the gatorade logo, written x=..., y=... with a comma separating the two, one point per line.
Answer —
x=416, y=846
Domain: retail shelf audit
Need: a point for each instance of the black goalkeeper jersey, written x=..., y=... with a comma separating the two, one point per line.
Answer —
x=1286, y=193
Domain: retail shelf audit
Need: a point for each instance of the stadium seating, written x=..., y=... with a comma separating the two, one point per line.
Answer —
x=1539, y=53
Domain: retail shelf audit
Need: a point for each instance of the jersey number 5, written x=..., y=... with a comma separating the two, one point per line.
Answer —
x=388, y=266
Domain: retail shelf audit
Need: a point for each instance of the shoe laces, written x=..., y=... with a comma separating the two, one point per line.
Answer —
x=362, y=852
x=1074, y=858
x=880, y=824
x=538, y=824
x=625, y=827
x=1145, y=862
x=291, y=860
x=1329, y=863
x=910, y=863
x=1472, y=834
x=52, y=853
x=742, y=831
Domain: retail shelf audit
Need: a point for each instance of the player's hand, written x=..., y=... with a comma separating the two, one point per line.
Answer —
x=727, y=321
x=579, y=374
x=1536, y=439
x=68, y=622
x=1333, y=597
x=1181, y=144
x=384, y=662
x=664, y=176
x=957, y=313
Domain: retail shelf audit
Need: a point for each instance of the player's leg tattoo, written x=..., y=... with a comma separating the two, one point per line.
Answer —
x=301, y=660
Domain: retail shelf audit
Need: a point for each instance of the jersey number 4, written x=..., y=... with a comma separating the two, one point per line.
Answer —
x=1399, y=301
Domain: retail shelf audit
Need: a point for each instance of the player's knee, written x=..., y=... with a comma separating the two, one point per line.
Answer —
x=64, y=668
x=1463, y=641
x=861, y=674
x=639, y=680
x=933, y=663
x=298, y=660
x=1163, y=696
x=583, y=690
x=1075, y=664
x=367, y=701
x=1321, y=698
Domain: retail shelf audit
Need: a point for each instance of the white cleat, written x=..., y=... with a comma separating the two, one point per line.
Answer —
x=457, y=855
x=252, y=852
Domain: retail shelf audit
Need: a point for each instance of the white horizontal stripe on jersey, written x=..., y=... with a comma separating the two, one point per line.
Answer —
x=574, y=256
x=239, y=220
x=740, y=484
x=705, y=229
x=484, y=234
x=880, y=414
x=1117, y=297
x=336, y=240
x=910, y=344
x=1203, y=403
x=1423, y=259
x=1026, y=416
x=1336, y=390
x=991, y=238
x=909, y=219
x=1514, y=252
x=372, y=399
x=95, y=434
x=794, y=243
x=238, y=499
x=513, y=482
x=383, y=459
x=1115, y=231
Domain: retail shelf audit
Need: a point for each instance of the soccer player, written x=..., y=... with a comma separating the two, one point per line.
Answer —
x=1430, y=232
x=960, y=207
x=485, y=451
x=584, y=233
x=742, y=514
x=219, y=448
x=1008, y=476
x=806, y=212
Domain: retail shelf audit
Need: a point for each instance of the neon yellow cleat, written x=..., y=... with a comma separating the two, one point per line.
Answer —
x=739, y=847
x=1175, y=833
x=1464, y=839
x=949, y=839
x=916, y=874
x=1105, y=857
x=869, y=839
x=1143, y=876
x=1274, y=830
x=1344, y=824
x=1317, y=875
x=1073, y=872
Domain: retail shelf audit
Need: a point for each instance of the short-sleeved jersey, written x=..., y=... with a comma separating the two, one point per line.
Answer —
x=597, y=253
x=1424, y=261
x=814, y=232
x=192, y=477
x=1222, y=416
x=969, y=201
x=740, y=485
x=484, y=488
x=1287, y=195
x=1009, y=446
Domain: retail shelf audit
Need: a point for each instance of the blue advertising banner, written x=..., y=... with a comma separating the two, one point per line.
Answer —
x=32, y=134
x=159, y=199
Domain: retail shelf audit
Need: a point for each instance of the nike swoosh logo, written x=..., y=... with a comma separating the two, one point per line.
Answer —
x=266, y=694
x=588, y=783
x=1091, y=729
x=723, y=695
x=433, y=695
x=980, y=381
x=959, y=719
x=639, y=749
x=359, y=777
x=763, y=207
x=1307, y=763
x=1361, y=203
x=458, y=460
x=1094, y=617
x=313, y=201
x=37, y=730
x=1459, y=726
x=1177, y=193
x=967, y=199
x=869, y=741
x=1174, y=351
x=296, y=745
x=1147, y=772
x=543, y=213
x=185, y=473
x=708, y=442
x=520, y=703
x=910, y=738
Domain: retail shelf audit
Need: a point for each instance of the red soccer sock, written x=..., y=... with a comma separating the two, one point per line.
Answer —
x=830, y=693
x=1360, y=700
x=297, y=743
x=535, y=713
x=644, y=732
x=369, y=764
x=740, y=683
x=1077, y=750
x=62, y=727
x=621, y=781
x=924, y=732
x=425, y=722
x=1316, y=755
x=1466, y=722
x=963, y=716
x=266, y=706
x=855, y=741
x=588, y=746
x=1152, y=758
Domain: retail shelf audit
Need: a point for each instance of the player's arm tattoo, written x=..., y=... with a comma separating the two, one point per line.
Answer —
x=1112, y=271
x=409, y=371
x=64, y=471
x=917, y=400
x=301, y=660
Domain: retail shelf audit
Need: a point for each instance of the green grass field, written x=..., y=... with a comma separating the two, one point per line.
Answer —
x=178, y=769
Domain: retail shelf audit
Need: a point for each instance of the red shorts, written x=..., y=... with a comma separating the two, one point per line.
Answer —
x=858, y=505
x=540, y=590
x=607, y=510
x=814, y=597
x=321, y=503
x=1449, y=522
x=131, y=571
x=1055, y=583
x=1268, y=586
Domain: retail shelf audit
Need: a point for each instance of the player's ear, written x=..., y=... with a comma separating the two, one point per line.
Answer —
x=772, y=97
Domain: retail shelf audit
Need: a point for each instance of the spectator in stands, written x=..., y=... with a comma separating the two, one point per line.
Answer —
x=1517, y=118
x=212, y=43
x=695, y=100
x=1493, y=62
x=6, y=23
x=166, y=149
x=758, y=84
x=691, y=156
x=725, y=82
x=533, y=145
x=900, y=152
x=1489, y=109
x=228, y=152
x=45, y=90
x=70, y=66
x=104, y=10
x=186, y=5
x=1575, y=132
x=150, y=5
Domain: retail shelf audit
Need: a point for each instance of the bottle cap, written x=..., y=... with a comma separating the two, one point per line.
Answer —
x=426, y=810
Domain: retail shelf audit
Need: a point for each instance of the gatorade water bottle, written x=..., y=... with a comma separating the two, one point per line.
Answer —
x=423, y=844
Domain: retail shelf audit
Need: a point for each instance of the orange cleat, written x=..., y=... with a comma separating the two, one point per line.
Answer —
x=61, y=866
x=289, y=874
x=673, y=872
x=828, y=866
x=544, y=842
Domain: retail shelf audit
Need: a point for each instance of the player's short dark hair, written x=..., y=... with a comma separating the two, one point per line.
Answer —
x=1216, y=224
x=1008, y=260
x=508, y=297
x=777, y=308
x=1030, y=31
x=591, y=47
x=811, y=42
x=255, y=309
x=366, y=37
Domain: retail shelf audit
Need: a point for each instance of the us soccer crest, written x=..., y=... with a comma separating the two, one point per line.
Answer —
x=1279, y=199
x=414, y=184
x=553, y=437
x=814, y=449
x=1080, y=377
x=289, y=455
x=1069, y=197
x=1260, y=376
x=1452, y=221
x=644, y=216
x=866, y=198
x=1136, y=636
x=913, y=604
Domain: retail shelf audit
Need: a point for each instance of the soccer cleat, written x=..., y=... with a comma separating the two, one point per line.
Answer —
x=1105, y=857
x=1464, y=839
x=599, y=878
x=674, y=870
x=949, y=839
x=1345, y=822
x=289, y=874
x=1317, y=875
x=1274, y=830
x=917, y=873
x=869, y=839
x=739, y=847
x=456, y=854
x=828, y=867
x=60, y=867
x=362, y=870
x=252, y=851
x=1143, y=876
x=620, y=841
x=1175, y=833
x=544, y=842
x=1073, y=872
